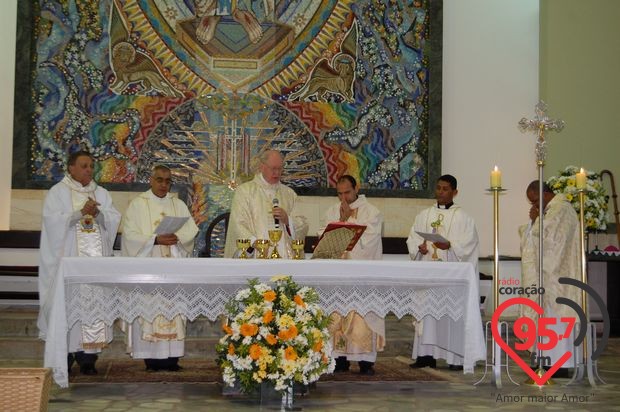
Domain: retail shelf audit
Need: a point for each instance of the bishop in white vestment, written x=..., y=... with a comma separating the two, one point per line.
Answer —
x=561, y=249
x=442, y=338
x=161, y=342
x=357, y=338
x=262, y=204
x=79, y=219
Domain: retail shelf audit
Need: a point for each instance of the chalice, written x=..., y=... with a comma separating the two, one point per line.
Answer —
x=243, y=245
x=262, y=246
x=274, y=236
x=298, y=248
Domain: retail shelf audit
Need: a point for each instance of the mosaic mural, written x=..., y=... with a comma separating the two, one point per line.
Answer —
x=339, y=86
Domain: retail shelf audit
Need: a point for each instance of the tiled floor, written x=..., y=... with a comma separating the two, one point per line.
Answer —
x=456, y=394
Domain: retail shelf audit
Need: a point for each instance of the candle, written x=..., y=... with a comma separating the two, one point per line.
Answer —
x=580, y=179
x=496, y=177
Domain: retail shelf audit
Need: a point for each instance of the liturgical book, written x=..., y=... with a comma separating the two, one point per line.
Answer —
x=338, y=237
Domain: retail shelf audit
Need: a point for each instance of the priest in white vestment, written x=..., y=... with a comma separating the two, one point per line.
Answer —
x=262, y=204
x=161, y=342
x=355, y=337
x=78, y=220
x=442, y=339
x=562, y=258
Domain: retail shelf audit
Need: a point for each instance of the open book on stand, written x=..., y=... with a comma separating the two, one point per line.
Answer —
x=338, y=237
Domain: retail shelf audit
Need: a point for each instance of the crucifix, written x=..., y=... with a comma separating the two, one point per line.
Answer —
x=540, y=124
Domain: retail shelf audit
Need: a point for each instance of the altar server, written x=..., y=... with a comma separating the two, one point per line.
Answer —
x=441, y=338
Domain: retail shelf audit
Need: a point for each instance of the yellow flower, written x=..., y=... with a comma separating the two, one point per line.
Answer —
x=277, y=278
x=285, y=321
x=255, y=351
x=569, y=197
x=290, y=354
x=248, y=329
x=269, y=296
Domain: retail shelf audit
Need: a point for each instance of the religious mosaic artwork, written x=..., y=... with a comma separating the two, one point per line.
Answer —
x=339, y=86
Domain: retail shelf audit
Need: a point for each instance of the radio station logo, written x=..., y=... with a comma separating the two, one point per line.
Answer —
x=536, y=336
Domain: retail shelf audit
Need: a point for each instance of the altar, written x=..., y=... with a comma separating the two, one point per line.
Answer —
x=92, y=289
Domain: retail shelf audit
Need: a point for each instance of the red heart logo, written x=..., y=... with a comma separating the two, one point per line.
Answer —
x=498, y=338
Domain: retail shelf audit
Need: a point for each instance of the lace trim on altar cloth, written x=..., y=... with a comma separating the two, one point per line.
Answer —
x=108, y=303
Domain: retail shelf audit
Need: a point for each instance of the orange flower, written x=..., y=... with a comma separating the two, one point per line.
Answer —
x=299, y=301
x=318, y=345
x=267, y=317
x=227, y=329
x=290, y=354
x=269, y=296
x=255, y=351
x=272, y=340
x=248, y=329
x=231, y=349
x=290, y=333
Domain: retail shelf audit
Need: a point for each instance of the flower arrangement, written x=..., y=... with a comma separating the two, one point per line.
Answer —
x=277, y=334
x=595, y=213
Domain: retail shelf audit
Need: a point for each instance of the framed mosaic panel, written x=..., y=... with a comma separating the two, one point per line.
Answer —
x=204, y=86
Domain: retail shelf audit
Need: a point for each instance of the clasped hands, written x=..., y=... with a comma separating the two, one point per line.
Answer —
x=90, y=208
x=345, y=211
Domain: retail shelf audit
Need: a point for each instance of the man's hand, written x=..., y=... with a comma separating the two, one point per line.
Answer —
x=168, y=239
x=280, y=214
x=345, y=211
x=534, y=212
x=422, y=248
x=90, y=208
x=442, y=245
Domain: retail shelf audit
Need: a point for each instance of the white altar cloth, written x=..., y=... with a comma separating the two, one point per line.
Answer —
x=110, y=288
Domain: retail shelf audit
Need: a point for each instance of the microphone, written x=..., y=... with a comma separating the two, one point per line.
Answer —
x=276, y=203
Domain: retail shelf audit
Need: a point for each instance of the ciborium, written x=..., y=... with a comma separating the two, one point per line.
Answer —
x=274, y=236
x=262, y=246
x=298, y=248
x=243, y=245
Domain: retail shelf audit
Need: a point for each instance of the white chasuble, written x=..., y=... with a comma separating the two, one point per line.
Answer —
x=442, y=338
x=161, y=338
x=251, y=215
x=562, y=258
x=357, y=337
x=65, y=232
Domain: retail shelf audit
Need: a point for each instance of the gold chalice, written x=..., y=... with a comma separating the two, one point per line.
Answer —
x=243, y=245
x=274, y=236
x=262, y=246
x=298, y=248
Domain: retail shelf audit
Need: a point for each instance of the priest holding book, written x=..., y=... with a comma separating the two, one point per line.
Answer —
x=356, y=337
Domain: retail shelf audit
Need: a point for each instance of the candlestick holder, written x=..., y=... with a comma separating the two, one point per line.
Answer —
x=495, y=364
x=585, y=366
